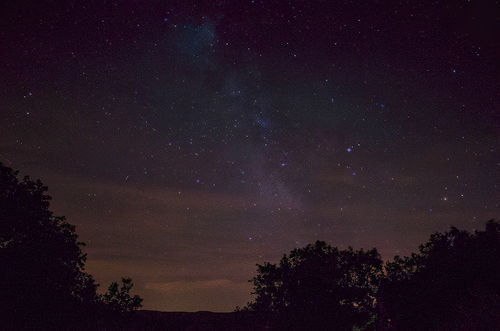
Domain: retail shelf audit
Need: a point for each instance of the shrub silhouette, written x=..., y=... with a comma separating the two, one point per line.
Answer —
x=43, y=284
x=118, y=299
x=318, y=287
x=452, y=283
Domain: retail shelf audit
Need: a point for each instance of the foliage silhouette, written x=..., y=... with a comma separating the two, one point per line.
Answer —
x=452, y=283
x=42, y=279
x=318, y=287
x=118, y=299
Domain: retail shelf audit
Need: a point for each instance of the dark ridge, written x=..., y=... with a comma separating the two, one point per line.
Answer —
x=192, y=321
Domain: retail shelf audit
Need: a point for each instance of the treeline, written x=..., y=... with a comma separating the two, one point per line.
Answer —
x=43, y=283
x=451, y=283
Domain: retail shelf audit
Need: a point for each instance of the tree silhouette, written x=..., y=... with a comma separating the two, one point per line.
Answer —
x=118, y=299
x=42, y=279
x=452, y=283
x=318, y=287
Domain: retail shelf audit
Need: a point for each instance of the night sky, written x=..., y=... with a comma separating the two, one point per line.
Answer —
x=188, y=142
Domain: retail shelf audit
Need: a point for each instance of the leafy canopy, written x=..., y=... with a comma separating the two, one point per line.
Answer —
x=450, y=284
x=42, y=276
x=318, y=287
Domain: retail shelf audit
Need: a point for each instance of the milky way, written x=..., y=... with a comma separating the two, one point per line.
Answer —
x=188, y=142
